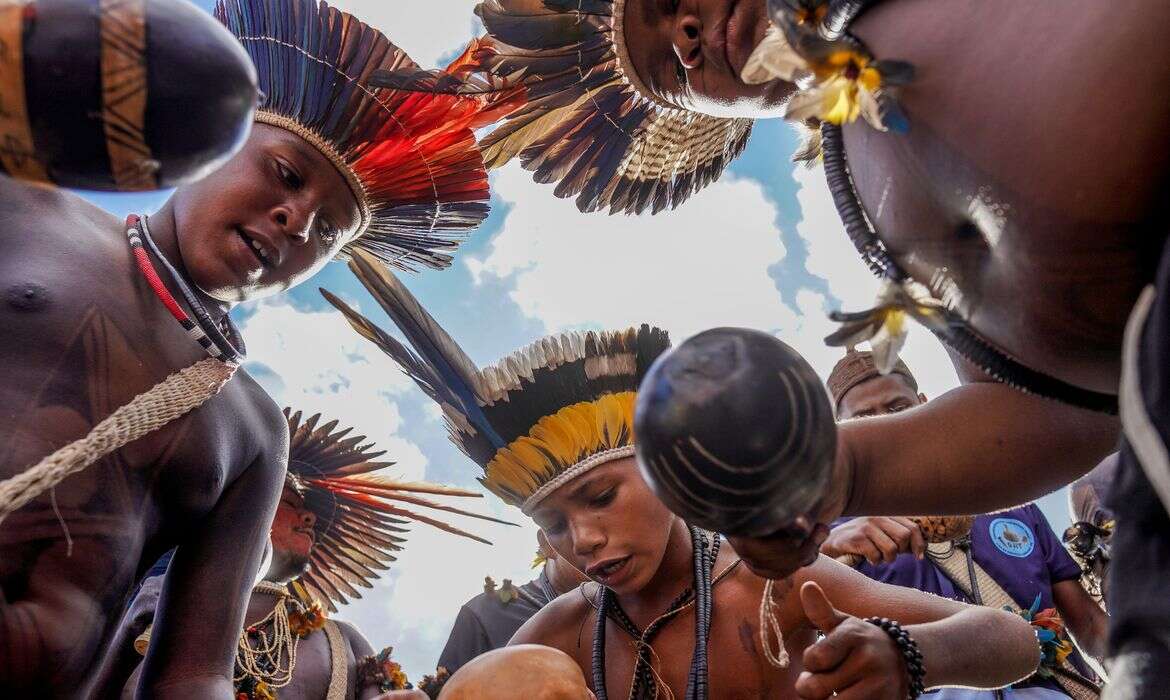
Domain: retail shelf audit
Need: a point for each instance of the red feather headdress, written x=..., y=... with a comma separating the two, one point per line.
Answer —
x=362, y=517
x=409, y=157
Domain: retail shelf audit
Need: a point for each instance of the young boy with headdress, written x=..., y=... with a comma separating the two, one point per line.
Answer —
x=96, y=311
x=338, y=525
x=552, y=426
x=962, y=189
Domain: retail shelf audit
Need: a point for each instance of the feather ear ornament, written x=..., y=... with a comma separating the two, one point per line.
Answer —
x=838, y=79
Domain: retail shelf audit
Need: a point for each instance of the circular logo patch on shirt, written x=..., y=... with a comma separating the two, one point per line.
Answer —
x=1012, y=537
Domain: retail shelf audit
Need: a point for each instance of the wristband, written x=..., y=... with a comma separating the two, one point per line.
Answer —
x=909, y=650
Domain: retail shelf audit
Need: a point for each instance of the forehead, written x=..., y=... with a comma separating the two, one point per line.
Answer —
x=321, y=174
x=584, y=487
x=874, y=393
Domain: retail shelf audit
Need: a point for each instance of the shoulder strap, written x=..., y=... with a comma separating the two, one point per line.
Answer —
x=338, y=668
x=953, y=562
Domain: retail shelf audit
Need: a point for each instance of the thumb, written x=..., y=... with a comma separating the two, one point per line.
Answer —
x=818, y=609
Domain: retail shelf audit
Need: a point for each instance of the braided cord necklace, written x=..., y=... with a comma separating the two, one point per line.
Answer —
x=202, y=329
x=644, y=685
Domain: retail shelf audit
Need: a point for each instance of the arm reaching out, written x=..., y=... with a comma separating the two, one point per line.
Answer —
x=975, y=449
x=209, y=583
x=859, y=660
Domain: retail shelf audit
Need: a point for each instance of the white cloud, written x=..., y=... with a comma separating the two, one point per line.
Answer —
x=425, y=29
x=322, y=366
x=703, y=265
x=832, y=256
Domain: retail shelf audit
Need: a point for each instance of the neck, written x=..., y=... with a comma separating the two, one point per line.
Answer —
x=164, y=233
x=674, y=575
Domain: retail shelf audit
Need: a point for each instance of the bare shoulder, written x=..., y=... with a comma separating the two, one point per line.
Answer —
x=563, y=623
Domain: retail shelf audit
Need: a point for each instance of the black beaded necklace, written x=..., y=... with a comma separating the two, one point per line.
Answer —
x=956, y=333
x=644, y=685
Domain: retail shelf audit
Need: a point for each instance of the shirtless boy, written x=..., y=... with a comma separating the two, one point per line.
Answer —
x=84, y=333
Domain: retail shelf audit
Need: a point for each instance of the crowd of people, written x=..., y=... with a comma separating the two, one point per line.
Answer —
x=166, y=531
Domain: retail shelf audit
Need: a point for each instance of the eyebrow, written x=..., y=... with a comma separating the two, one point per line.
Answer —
x=577, y=493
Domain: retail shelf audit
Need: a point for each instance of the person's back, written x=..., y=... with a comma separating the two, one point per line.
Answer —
x=83, y=337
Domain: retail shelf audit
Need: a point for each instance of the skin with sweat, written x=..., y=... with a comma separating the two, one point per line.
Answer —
x=292, y=544
x=84, y=335
x=1040, y=239
x=610, y=525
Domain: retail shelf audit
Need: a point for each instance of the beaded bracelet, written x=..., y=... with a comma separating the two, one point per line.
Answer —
x=909, y=649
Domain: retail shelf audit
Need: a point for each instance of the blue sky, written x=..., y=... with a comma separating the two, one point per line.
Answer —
x=761, y=248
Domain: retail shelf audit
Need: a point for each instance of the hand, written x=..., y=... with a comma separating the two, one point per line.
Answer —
x=876, y=539
x=776, y=556
x=855, y=659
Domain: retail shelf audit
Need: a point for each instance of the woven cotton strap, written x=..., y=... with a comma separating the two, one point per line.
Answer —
x=338, y=668
x=176, y=395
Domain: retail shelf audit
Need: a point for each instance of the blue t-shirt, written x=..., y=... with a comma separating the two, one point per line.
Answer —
x=1016, y=547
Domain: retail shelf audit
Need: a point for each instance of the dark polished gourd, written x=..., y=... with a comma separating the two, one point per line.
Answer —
x=734, y=432
x=119, y=94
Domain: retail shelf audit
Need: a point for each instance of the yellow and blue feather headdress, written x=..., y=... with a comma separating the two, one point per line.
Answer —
x=537, y=418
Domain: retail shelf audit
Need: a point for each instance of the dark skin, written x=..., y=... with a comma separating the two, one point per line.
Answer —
x=292, y=543
x=1041, y=247
x=882, y=539
x=609, y=515
x=84, y=335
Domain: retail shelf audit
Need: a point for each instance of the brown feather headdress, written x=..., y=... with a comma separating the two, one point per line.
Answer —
x=590, y=124
x=409, y=156
x=362, y=517
x=538, y=417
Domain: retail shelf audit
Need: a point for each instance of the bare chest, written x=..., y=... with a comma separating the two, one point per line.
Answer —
x=736, y=666
x=1026, y=191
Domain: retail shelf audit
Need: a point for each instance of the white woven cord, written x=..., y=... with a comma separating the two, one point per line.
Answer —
x=181, y=392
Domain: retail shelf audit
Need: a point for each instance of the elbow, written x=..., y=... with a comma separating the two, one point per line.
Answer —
x=1021, y=640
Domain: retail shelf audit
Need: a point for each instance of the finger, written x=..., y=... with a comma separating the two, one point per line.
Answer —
x=885, y=545
x=820, y=685
x=917, y=539
x=817, y=608
x=868, y=689
x=899, y=531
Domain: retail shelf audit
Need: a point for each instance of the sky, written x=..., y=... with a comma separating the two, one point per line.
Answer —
x=761, y=248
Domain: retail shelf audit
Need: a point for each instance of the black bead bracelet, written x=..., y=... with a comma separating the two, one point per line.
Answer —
x=909, y=650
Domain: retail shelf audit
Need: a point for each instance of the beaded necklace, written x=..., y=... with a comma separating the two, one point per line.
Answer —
x=203, y=330
x=644, y=684
x=264, y=663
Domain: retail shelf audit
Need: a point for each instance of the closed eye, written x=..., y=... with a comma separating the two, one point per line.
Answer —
x=604, y=498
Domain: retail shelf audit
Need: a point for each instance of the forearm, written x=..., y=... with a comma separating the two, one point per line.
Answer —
x=977, y=648
x=977, y=448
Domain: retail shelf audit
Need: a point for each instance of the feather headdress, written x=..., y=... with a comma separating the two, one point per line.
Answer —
x=408, y=156
x=590, y=124
x=362, y=517
x=537, y=418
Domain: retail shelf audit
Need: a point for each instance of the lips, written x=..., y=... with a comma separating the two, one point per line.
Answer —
x=609, y=571
x=737, y=35
x=264, y=253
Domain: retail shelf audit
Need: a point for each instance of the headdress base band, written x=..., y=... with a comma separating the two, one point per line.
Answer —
x=589, y=463
x=326, y=149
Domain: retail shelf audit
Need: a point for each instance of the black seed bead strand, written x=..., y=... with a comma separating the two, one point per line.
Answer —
x=915, y=669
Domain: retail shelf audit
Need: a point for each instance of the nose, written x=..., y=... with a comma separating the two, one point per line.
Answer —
x=308, y=519
x=587, y=538
x=687, y=43
x=290, y=222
